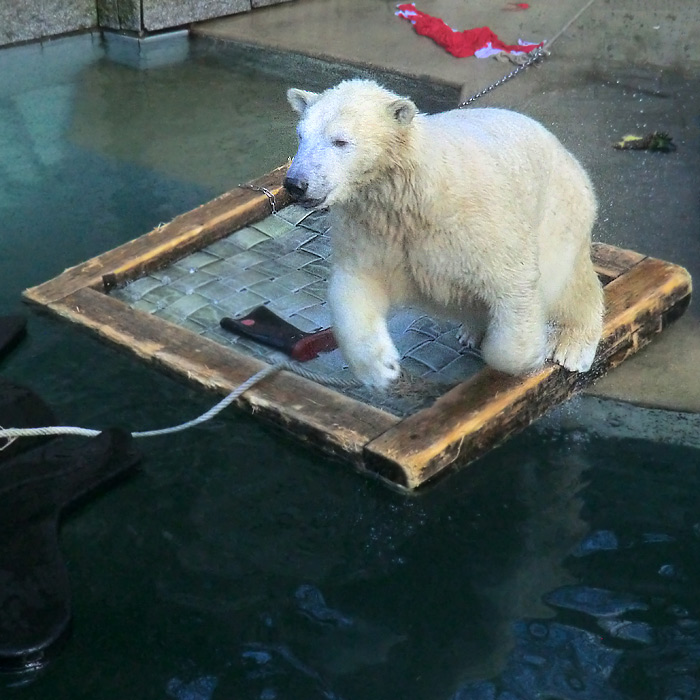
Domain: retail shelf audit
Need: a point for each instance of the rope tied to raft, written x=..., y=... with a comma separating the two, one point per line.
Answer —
x=8, y=441
x=11, y=434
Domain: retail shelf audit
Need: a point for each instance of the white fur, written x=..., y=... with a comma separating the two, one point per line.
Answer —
x=479, y=215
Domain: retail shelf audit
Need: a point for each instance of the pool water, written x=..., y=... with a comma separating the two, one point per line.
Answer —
x=237, y=564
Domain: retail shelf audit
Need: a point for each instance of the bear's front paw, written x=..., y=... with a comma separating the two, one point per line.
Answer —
x=376, y=365
x=576, y=356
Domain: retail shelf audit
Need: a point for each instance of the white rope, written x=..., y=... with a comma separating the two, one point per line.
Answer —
x=13, y=433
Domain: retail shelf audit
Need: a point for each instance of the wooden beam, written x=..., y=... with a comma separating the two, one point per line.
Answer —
x=480, y=413
x=183, y=235
x=314, y=413
x=611, y=262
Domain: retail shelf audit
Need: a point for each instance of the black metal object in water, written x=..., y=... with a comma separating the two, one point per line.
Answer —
x=12, y=330
x=40, y=479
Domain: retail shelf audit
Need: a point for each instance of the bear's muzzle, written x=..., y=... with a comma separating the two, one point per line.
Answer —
x=296, y=187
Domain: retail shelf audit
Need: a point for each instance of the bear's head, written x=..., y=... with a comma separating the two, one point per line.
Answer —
x=349, y=136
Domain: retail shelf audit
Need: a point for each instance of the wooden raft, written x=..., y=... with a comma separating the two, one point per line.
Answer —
x=642, y=295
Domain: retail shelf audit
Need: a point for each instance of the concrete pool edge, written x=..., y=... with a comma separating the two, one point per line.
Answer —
x=612, y=418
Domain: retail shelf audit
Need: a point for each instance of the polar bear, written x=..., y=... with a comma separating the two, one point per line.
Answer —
x=477, y=215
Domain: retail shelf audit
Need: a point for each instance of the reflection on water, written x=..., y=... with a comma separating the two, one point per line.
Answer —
x=237, y=564
x=96, y=152
x=631, y=627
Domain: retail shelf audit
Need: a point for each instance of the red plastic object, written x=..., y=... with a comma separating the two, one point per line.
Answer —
x=266, y=327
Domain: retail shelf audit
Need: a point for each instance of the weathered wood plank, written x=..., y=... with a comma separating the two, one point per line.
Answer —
x=184, y=234
x=338, y=424
x=483, y=411
x=611, y=262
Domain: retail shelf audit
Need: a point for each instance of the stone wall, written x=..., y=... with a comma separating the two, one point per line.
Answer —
x=154, y=15
x=24, y=20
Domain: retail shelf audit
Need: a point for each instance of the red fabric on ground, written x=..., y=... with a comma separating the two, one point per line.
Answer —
x=459, y=44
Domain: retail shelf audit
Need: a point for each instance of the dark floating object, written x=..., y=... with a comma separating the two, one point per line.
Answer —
x=655, y=141
x=12, y=330
x=40, y=478
x=36, y=488
x=21, y=408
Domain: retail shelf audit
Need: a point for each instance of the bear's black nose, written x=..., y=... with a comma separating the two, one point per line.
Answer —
x=296, y=187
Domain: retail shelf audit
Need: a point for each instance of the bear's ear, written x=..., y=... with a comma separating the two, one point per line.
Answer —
x=403, y=110
x=301, y=99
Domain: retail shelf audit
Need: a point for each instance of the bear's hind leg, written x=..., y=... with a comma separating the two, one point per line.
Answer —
x=473, y=329
x=516, y=338
x=578, y=318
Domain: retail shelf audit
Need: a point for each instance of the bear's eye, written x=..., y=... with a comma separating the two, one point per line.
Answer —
x=340, y=143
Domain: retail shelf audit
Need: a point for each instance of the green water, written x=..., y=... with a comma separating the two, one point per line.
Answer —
x=238, y=565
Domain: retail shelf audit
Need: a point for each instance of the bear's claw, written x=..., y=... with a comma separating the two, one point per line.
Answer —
x=468, y=338
x=574, y=356
x=378, y=366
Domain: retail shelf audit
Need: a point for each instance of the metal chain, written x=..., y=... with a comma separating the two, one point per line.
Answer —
x=266, y=192
x=535, y=55
x=273, y=202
